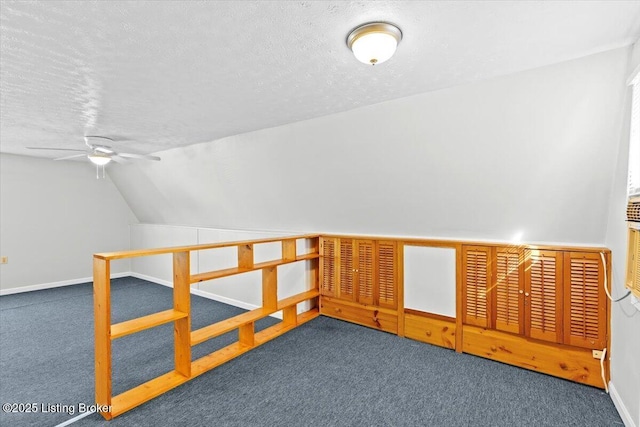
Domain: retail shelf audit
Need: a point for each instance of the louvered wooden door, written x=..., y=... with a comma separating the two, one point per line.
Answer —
x=476, y=276
x=328, y=261
x=508, y=290
x=364, y=271
x=633, y=262
x=385, y=274
x=584, y=300
x=543, y=295
x=346, y=270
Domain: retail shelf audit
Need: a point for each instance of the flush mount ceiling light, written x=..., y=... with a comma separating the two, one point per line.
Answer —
x=375, y=42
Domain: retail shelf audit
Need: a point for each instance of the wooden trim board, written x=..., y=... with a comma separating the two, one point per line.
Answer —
x=562, y=361
x=430, y=329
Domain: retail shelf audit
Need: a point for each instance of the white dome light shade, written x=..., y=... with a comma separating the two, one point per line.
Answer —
x=374, y=43
x=99, y=159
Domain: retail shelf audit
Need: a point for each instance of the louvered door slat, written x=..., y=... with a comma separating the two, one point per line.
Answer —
x=508, y=286
x=476, y=277
x=328, y=263
x=345, y=289
x=365, y=272
x=386, y=289
x=543, y=295
x=585, y=304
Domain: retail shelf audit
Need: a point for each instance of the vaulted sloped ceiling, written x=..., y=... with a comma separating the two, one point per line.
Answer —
x=157, y=75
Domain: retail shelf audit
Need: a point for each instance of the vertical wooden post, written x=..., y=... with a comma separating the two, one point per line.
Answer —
x=314, y=271
x=290, y=315
x=314, y=278
x=400, y=287
x=459, y=294
x=270, y=288
x=607, y=362
x=315, y=245
x=102, y=324
x=246, y=334
x=315, y=264
x=245, y=256
x=289, y=250
x=182, y=302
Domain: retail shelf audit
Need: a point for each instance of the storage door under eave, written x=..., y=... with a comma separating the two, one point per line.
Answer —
x=633, y=262
x=476, y=277
x=346, y=270
x=387, y=261
x=328, y=266
x=364, y=271
x=508, y=290
x=585, y=300
x=543, y=295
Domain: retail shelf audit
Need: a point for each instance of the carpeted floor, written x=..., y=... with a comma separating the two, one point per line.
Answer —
x=326, y=372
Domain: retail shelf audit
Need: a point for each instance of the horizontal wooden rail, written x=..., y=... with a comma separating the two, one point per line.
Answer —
x=217, y=274
x=141, y=323
x=201, y=335
x=180, y=315
x=296, y=299
x=212, y=275
x=205, y=246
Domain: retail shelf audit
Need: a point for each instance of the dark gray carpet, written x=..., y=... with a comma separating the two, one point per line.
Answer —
x=326, y=372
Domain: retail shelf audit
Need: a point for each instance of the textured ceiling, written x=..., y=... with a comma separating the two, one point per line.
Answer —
x=168, y=74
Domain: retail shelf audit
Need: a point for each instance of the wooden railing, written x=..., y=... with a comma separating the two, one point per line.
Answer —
x=180, y=315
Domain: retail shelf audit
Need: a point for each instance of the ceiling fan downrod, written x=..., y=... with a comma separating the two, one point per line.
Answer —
x=98, y=171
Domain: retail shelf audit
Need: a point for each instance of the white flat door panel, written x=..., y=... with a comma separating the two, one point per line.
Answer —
x=430, y=280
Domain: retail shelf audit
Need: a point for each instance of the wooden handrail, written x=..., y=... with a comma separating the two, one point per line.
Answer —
x=173, y=249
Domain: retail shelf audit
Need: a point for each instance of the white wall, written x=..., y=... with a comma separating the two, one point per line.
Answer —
x=529, y=152
x=243, y=290
x=625, y=319
x=53, y=217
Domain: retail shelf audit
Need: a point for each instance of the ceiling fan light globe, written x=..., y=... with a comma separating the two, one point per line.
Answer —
x=99, y=159
x=374, y=48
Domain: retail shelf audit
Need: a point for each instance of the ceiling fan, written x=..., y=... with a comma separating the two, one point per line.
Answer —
x=98, y=153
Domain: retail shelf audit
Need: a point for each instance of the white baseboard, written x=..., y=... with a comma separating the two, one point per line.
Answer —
x=622, y=410
x=21, y=289
x=152, y=279
x=208, y=295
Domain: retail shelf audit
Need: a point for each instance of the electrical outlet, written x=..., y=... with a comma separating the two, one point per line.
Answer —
x=4, y=260
x=597, y=354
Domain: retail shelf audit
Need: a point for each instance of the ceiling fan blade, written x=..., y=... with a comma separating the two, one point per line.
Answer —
x=103, y=149
x=118, y=159
x=112, y=137
x=106, y=138
x=139, y=156
x=71, y=157
x=57, y=149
